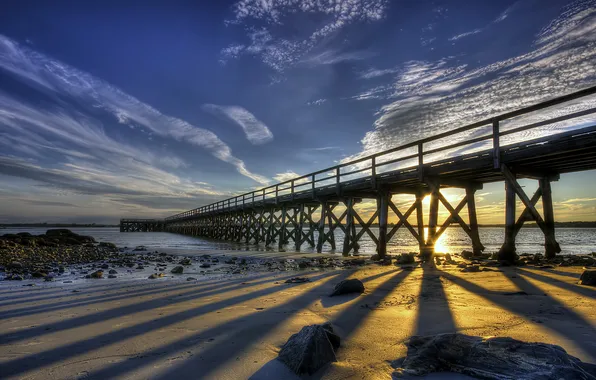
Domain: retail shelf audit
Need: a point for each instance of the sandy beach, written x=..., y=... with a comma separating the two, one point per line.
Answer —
x=231, y=327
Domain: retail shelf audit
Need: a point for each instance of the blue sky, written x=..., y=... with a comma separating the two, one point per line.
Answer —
x=110, y=110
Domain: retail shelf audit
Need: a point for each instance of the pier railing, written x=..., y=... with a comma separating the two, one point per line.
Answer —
x=493, y=133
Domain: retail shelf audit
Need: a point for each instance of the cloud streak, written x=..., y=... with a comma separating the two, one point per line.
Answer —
x=255, y=130
x=61, y=79
x=427, y=98
x=263, y=20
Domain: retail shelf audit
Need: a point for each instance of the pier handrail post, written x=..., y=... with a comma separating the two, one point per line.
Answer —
x=420, y=160
x=276, y=194
x=263, y=196
x=292, y=189
x=496, y=147
x=337, y=177
x=373, y=166
x=313, y=185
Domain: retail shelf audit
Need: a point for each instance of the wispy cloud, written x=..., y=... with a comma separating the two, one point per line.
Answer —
x=431, y=97
x=457, y=37
x=330, y=57
x=375, y=73
x=255, y=130
x=262, y=21
x=285, y=176
x=317, y=102
x=499, y=18
x=61, y=79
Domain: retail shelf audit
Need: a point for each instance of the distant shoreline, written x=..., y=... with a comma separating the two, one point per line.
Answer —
x=57, y=225
x=95, y=225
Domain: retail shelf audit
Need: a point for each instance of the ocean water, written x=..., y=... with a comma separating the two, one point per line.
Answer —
x=453, y=240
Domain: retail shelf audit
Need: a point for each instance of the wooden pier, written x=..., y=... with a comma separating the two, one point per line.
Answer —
x=309, y=209
x=142, y=225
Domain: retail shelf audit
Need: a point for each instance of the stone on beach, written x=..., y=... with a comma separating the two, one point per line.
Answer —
x=588, y=277
x=310, y=349
x=178, y=269
x=186, y=261
x=405, y=258
x=96, y=274
x=352, y=285
x=493, y=358
x=297, y=280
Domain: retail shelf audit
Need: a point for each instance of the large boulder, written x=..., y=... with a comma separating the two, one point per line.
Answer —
x=310, y=349
x=66, y=236
x=352, y=285
x=588, y=277
x=493, y=358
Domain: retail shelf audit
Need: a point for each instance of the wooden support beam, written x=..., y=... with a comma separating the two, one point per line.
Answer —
x=349, y=224
x=453, y=216
x=383, y=210
x=525, y=215
x=551, y=246
x=510, y=178
x=282, y=227
x=403, y=220
x=507, y=251
x=433, y=216
x=420, y=220
x=298, y=231
x=477, y=246
x=321, y=227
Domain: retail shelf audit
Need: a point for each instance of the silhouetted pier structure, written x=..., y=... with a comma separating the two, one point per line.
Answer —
x=142, y=225
x=491, y=150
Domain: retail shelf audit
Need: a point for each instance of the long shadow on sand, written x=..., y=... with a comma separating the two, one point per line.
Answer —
x=434, y=313
x=236, y=336
x=570, y=324
x=62, y=353
x=581, y=290
x=167, y=287
x=328, y=302
x=102, y=316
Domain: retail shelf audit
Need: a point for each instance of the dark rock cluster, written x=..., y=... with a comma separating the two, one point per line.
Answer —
x=24, y=255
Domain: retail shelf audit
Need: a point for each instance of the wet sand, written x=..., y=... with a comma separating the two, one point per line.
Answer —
x=231, y=327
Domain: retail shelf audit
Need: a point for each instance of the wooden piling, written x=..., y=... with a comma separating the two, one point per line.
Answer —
x=551, y=247
x=477, y=246
x=383, y=209
x=507, y=251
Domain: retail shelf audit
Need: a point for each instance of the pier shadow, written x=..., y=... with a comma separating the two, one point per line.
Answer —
x=34, y=361
x=194, y=293
x=434, y=314
x=329, y=302
x=570, y=324
x=232, y=337
x=575, y=288
x=156, y=288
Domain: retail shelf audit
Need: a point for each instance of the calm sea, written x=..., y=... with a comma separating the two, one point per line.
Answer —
x=454, y=240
